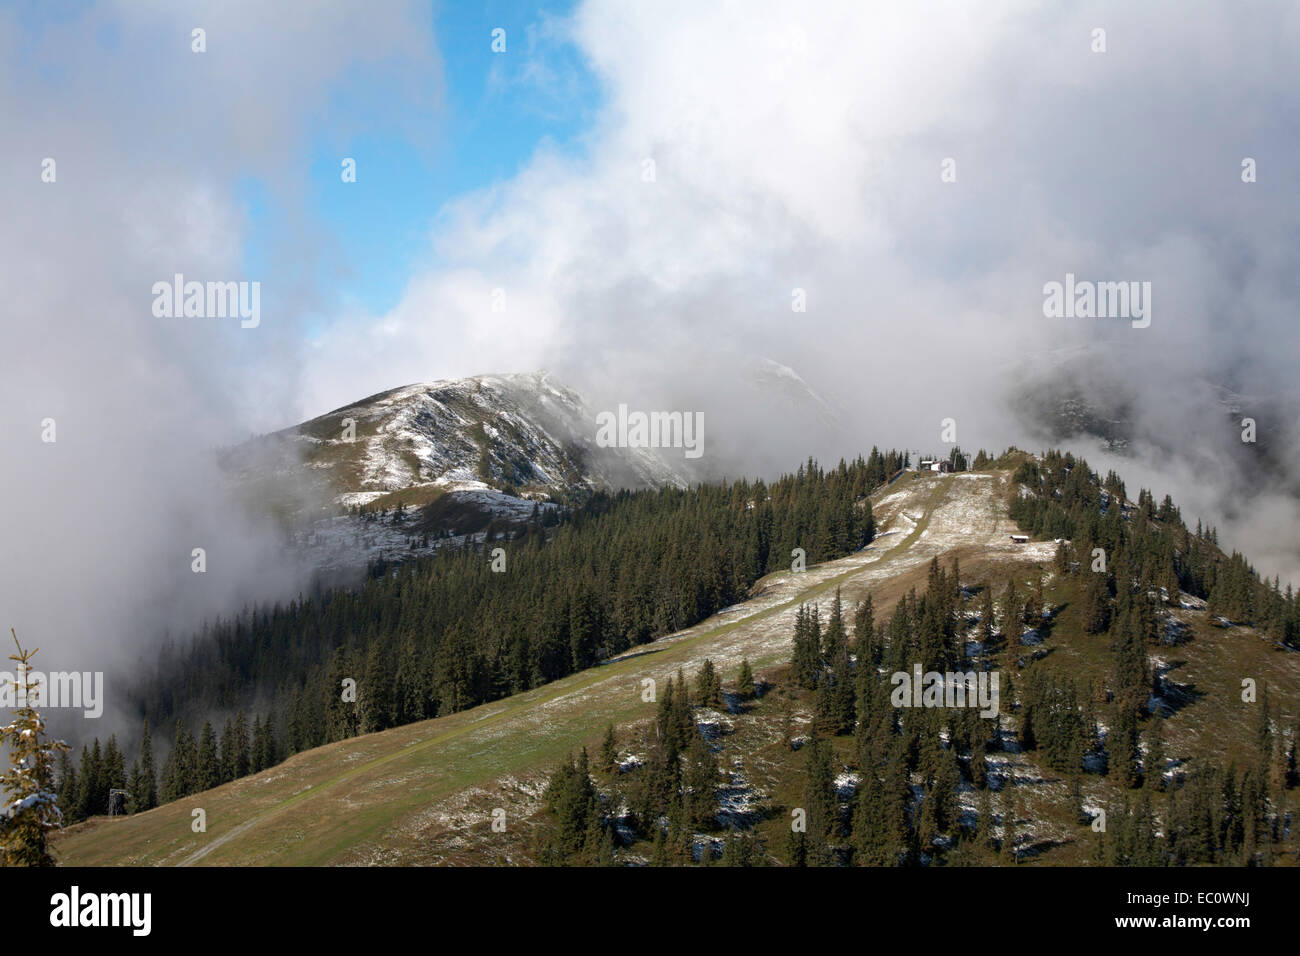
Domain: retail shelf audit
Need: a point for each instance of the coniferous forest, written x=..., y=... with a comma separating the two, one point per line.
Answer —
x=443, y=633
x=905, y=767
x=468, y=625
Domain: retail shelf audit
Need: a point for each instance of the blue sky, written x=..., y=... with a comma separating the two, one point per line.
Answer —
x=497, y=110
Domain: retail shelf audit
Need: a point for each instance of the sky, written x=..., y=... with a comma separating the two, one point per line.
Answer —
x=636, y=197
x=496, y=110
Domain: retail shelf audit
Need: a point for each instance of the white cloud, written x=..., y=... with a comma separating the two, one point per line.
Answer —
x=798, y=146
x=151, y=142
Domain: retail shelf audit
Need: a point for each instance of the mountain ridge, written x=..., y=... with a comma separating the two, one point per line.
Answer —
x=429, y=791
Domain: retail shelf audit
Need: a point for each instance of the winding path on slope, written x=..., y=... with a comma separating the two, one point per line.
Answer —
x=380, y=798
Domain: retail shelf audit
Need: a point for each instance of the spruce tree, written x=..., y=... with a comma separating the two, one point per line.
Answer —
x=571, y=799
x=872, y=836
x=797, y=847
x=67, y=786
x=943, y=795
x=807, y=650
x=227, y=747
x=179, y=778
x=700, y=782
x=93, y=798
x=134, y=785
x=1095, y=605
x=984, y=820
x=81, y=807
x=708, y=686
x=745, y=687
x=864, y=623
x=988, y=618
x=269, y=755
x=114, y=767
x=739, y=850
x=31, y=808
x=820, y=802
x=241, y=761
x=147, y=795
x=834, y=640
x=659, y=851
x=374, y=693
x=609, y=751
x=173, y=776
x=207, y=771
x=682, y=717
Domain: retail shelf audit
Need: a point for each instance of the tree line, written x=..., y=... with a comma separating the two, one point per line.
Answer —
x=191, y=766
x=911, y=763
x=442, y=633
